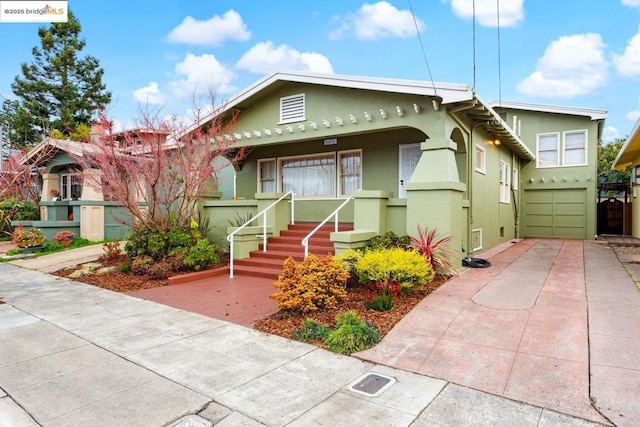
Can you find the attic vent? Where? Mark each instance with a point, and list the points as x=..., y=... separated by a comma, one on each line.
x=292, y=108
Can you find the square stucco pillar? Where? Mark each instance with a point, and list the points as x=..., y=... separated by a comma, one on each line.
x=49, y=182
x=434, y=195
x=89, y=191
x=279, y=216
x=370, y=210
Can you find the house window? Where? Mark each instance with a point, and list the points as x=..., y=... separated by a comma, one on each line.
x=70, y=186
x=350, y=172
x=575, y=148
x=481, y=159
x=292, y=108
x=571, y=150
x=267, y=176
x=505, y=182
x=548, y=150
x=309, y=176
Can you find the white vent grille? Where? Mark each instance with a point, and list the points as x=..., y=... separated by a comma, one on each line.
x=292, y=108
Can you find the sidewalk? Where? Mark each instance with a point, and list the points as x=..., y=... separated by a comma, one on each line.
x=74, y=354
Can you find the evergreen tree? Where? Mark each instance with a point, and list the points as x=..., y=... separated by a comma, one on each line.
x=59, y=90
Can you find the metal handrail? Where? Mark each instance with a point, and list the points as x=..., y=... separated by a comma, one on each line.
x=263, y=212
x=305, y=241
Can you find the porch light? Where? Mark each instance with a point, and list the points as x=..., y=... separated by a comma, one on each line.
x=278, y=131
x=326, y=123
x=436, y=104
x=301, y=127
x=257, y=133
x=289, y=128
x=339, y=121
x=496, y=142
x=367, y=116
x=313, y=125
x=353, y=119
x=417, y=108
x=383, y=114
x=267, y=132
x=400, y=111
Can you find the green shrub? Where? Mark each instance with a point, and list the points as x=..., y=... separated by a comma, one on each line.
x=14, y=251
x=141, y=264
x=156, y=244
x=380, y=302
x=201, y=255
x=80, y=242
x=316, y=283
x=311, y=331
x=407, y=267
x=176, y=260
x=29, y=238
x=388, y=241
x=125, y=266
x=352, y=334
x=52, y=247
x=159, y=270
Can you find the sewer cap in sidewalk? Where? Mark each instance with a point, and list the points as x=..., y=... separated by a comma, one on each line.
x=372, y=384
x=191, y=421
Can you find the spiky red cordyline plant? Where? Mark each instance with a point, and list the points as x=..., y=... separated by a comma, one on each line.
x=435, y=250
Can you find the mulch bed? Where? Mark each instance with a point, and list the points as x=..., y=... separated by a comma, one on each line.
x=285, y=324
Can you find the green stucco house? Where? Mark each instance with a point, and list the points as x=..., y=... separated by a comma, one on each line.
x=409, y=153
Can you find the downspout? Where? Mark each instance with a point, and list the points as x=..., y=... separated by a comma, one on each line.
x=470, y=151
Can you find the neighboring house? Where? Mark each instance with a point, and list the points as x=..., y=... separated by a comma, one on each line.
x=629, y=158
x=412, y=153
x=67, y=201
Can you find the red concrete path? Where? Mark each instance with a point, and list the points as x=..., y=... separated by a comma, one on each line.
x=241, y=300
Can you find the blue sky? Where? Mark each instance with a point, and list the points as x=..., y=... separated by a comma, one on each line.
x=163, y=54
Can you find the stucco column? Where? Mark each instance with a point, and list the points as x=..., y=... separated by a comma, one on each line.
x=279, y=216
x=370, y=210
x=49, y=182
x=89, y=190
x=434, y=195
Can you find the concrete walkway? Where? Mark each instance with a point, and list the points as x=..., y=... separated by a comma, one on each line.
x=552, y=323
x=73, y=354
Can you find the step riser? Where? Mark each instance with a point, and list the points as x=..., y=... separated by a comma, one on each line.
x=289, y=244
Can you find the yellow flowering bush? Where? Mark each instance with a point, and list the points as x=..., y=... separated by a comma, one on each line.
x=315, y=283
x=407, y=267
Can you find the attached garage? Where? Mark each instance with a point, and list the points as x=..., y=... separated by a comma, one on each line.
x=555, y=213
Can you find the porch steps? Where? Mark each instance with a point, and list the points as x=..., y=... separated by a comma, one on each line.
x=289, y=244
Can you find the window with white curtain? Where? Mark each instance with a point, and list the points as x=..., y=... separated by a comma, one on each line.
x=548, y=150
x=575, y=148
x=505, y=182
x=570, y=150
x=335, y=174
x=481, y=159
x=350, y=172
x=267, y=176
x=309, y=176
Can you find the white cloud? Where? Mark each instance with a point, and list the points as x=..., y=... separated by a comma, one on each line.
x=200, y=75
x=632, y=3
x=377, y=21
x=632, y=115
x=511, y=11
x=265, y=57
x=212, y=32
x=628, y=64
x=570, y=66
x=149, y=94
x=610, y=134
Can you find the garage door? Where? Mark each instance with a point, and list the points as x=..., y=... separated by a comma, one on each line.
x=555, y=213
